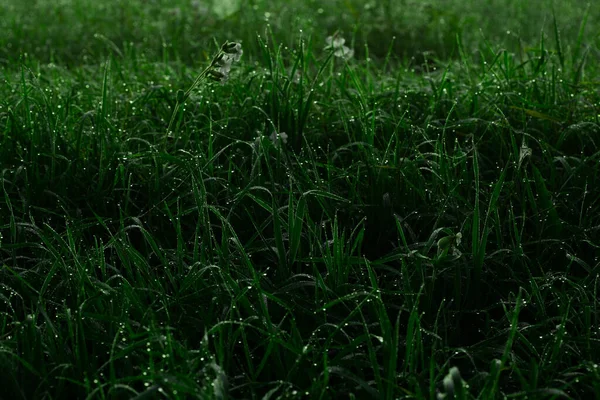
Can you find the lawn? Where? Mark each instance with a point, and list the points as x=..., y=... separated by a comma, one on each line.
x=301, y=199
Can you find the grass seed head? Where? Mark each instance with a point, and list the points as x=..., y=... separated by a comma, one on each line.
x=230, y=53
x=234, y=49
x=335, y=43
x=277, y=137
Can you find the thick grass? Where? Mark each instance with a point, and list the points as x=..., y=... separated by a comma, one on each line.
x=211, y=261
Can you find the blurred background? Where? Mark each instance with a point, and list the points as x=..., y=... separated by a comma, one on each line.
x=71, y=32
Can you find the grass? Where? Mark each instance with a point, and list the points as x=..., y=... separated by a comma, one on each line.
x=159, y=246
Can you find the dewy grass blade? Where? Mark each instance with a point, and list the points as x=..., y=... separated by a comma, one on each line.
x=581, y=34
x=546, y=203
x=500, y=364
x=372, y=355
x=475, y=225
x=481, y=248
x=278, y=232
x=558, y=41
x=26, y=104
x=390, y=335
x=296, y=224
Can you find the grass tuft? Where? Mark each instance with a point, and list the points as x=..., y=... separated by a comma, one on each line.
x=378, y=200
